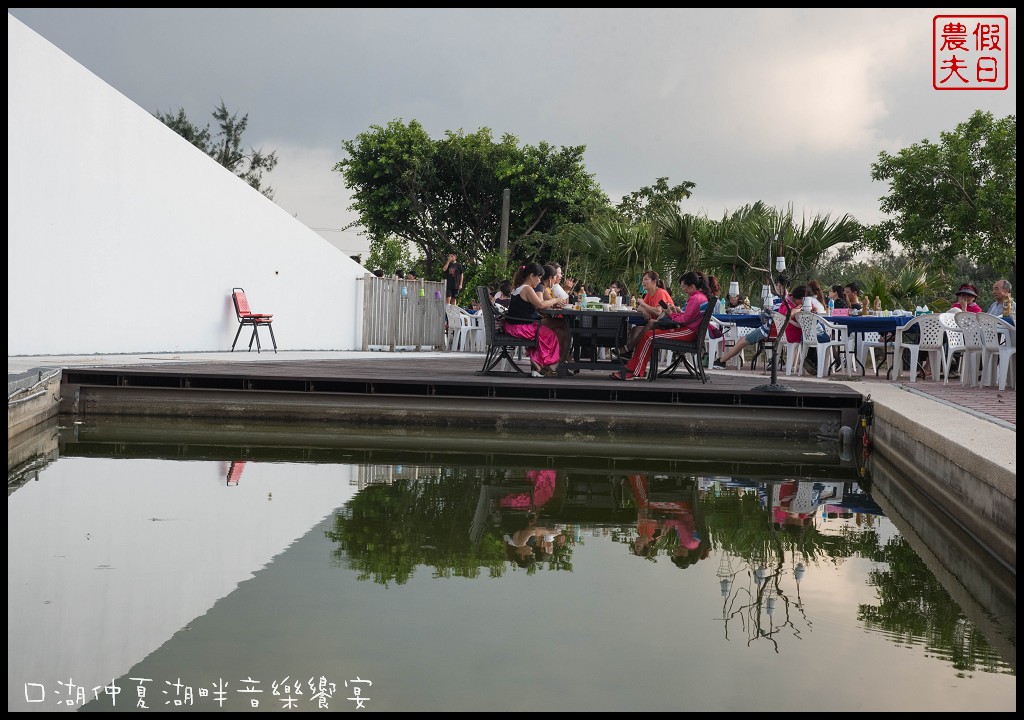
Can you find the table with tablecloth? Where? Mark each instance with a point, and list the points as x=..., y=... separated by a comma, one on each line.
x=592, y=330
x=858, y=325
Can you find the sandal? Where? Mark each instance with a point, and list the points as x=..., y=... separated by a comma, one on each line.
x=624, y=375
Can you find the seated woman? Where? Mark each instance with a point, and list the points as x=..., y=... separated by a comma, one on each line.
x=966, y=299
x=649, y=306
x=838, y=297
x=695, y=285
x=736, y=301
x=522, y=316
x=504, y=294
x=547, y=290
x=793, y=332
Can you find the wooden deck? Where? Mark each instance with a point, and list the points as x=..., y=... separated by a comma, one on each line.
x=448, y=391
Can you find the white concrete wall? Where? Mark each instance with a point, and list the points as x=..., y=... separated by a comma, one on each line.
x=124, y=238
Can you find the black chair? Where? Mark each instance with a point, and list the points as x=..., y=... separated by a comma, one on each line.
x=683, y=350
x=500, y=344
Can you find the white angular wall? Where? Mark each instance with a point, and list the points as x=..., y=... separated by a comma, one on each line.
x=123, y=238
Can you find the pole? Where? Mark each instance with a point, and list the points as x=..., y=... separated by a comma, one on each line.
x=506, y=196
x=774, y=385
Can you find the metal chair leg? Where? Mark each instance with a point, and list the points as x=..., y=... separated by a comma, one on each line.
x=237, y=333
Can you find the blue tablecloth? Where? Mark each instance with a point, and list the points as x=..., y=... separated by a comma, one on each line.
x=744, y=321
x=871, y=323
x=858, y=324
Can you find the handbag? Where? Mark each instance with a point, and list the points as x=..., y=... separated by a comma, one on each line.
x=665, y=322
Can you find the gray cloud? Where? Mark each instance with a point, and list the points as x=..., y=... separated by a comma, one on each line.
x=787, y=106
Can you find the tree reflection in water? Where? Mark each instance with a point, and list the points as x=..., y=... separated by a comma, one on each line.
x=453, y=521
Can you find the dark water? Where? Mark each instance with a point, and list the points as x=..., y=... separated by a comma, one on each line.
x=323, y=569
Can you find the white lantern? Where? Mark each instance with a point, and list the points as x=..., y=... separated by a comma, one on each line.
x=734, y=288
x=780, y=263
x=807, y=304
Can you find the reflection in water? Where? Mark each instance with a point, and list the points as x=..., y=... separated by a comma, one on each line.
x=425, y=578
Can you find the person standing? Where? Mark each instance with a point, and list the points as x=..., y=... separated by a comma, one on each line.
x=1000, y=293
x=453, y=277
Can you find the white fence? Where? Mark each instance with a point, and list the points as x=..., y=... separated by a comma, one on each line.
x=402, y=314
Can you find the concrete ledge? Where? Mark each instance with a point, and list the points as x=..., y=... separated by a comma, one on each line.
x=981, y=448
x=966, y=466
x=983, y=586
x=588, y=421
x=32, y=401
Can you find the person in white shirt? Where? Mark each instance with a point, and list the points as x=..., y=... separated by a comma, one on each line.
x=558, y=288
x=1001, y=291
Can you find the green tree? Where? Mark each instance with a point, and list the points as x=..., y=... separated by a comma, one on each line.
x=226, y=146
x=957, y=198
x=652, y=201
x=389, y=254
x=445, y=195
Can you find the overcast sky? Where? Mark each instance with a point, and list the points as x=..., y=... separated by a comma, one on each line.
x=789, y=107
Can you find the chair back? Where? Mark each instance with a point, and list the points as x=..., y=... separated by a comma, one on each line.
x=933, y=329
x=487, y=309
x=241, y=304
x=451, y=314
x=705, y=319
x=808, y=322
x=781, y=321
x=954, y=336
x=988, y=327
x=970, y=325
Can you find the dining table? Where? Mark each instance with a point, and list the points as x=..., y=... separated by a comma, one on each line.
x=857, y=326
x=592, y=330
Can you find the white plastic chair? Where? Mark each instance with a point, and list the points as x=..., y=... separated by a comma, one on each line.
x=838, y=341
x=999, y=340
x=793, y=357
x=866, y=344
x=932, y=331
x=970, y=326
x=471, y=332
x=953, y=342
x=451, y=313
x=718, y=346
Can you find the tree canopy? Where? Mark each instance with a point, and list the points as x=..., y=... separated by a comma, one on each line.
x=445, y=195
x=226, y=146
x=957, y=198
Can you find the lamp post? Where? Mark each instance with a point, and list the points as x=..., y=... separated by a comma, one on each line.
x=780, y=266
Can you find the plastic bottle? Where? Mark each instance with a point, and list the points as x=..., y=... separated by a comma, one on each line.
x=612, y=295
x=1007, y=306
x=831, y=305
x=878, y=305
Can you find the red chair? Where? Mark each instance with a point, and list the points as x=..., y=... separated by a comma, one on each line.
x=235, y=472
x=247, y=317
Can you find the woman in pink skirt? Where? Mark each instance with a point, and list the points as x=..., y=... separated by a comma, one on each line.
x=522, y=318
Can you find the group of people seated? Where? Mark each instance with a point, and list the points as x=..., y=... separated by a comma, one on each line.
x=538, y=287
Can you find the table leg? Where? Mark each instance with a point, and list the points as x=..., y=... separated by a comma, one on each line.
x=856, y=356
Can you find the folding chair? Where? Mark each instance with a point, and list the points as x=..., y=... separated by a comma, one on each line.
x=247, y=317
